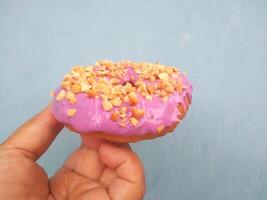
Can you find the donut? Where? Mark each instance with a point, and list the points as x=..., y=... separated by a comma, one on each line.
x=124, y=101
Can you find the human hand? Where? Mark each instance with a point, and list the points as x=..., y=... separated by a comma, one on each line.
x=98, y=170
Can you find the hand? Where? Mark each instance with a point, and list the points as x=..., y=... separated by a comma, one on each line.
x=98, y=170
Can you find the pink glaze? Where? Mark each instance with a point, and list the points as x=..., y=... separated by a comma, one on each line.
x=90, y=116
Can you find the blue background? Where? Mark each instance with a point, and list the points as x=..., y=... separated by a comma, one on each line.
x=220, y=150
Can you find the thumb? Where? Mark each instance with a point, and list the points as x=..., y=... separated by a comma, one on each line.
x=34, y=137
x=130, y=184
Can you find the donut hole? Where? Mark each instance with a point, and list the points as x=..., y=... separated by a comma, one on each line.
x=129, y=81
x=130, y=77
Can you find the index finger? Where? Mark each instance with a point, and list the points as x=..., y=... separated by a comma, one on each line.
x=35, y=136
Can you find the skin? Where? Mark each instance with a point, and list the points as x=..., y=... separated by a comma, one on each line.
x=96, y=170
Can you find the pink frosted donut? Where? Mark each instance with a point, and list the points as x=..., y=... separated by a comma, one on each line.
x=124, y=101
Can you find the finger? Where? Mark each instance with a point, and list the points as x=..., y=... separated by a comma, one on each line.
x=130, y=183
x=90, y=142
x=35, y=136
x=85, y=160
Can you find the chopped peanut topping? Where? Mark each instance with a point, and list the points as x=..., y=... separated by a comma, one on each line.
x=169, y=70
x=133, y=98
x=123, y=109
x=169, y=89
x=107, y=105
x=91, y=93
x=70, y=96
x=112, y=96
x=52, y=93
x=76, y=88
x=150, y=89
x=91, y=80
x=134, y=121
x=148, y=97
x=163, y=93
x=162, y=85
x=138, y=113
x=114, y=116
x=160, y=129
x=164, y=76
x=71, y=112
x=61, y=95
x=115, y=81
x=128, y=87
x=78, y=69
x=126, y=99
x=165, y=99
x=116, y=101
x=123, y=115
x=105, y=90
x=65, y=84
x=85, y=87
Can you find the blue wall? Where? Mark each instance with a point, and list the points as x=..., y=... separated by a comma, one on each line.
x=219, y=152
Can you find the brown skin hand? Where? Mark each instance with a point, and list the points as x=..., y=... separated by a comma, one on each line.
x=97, y=170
